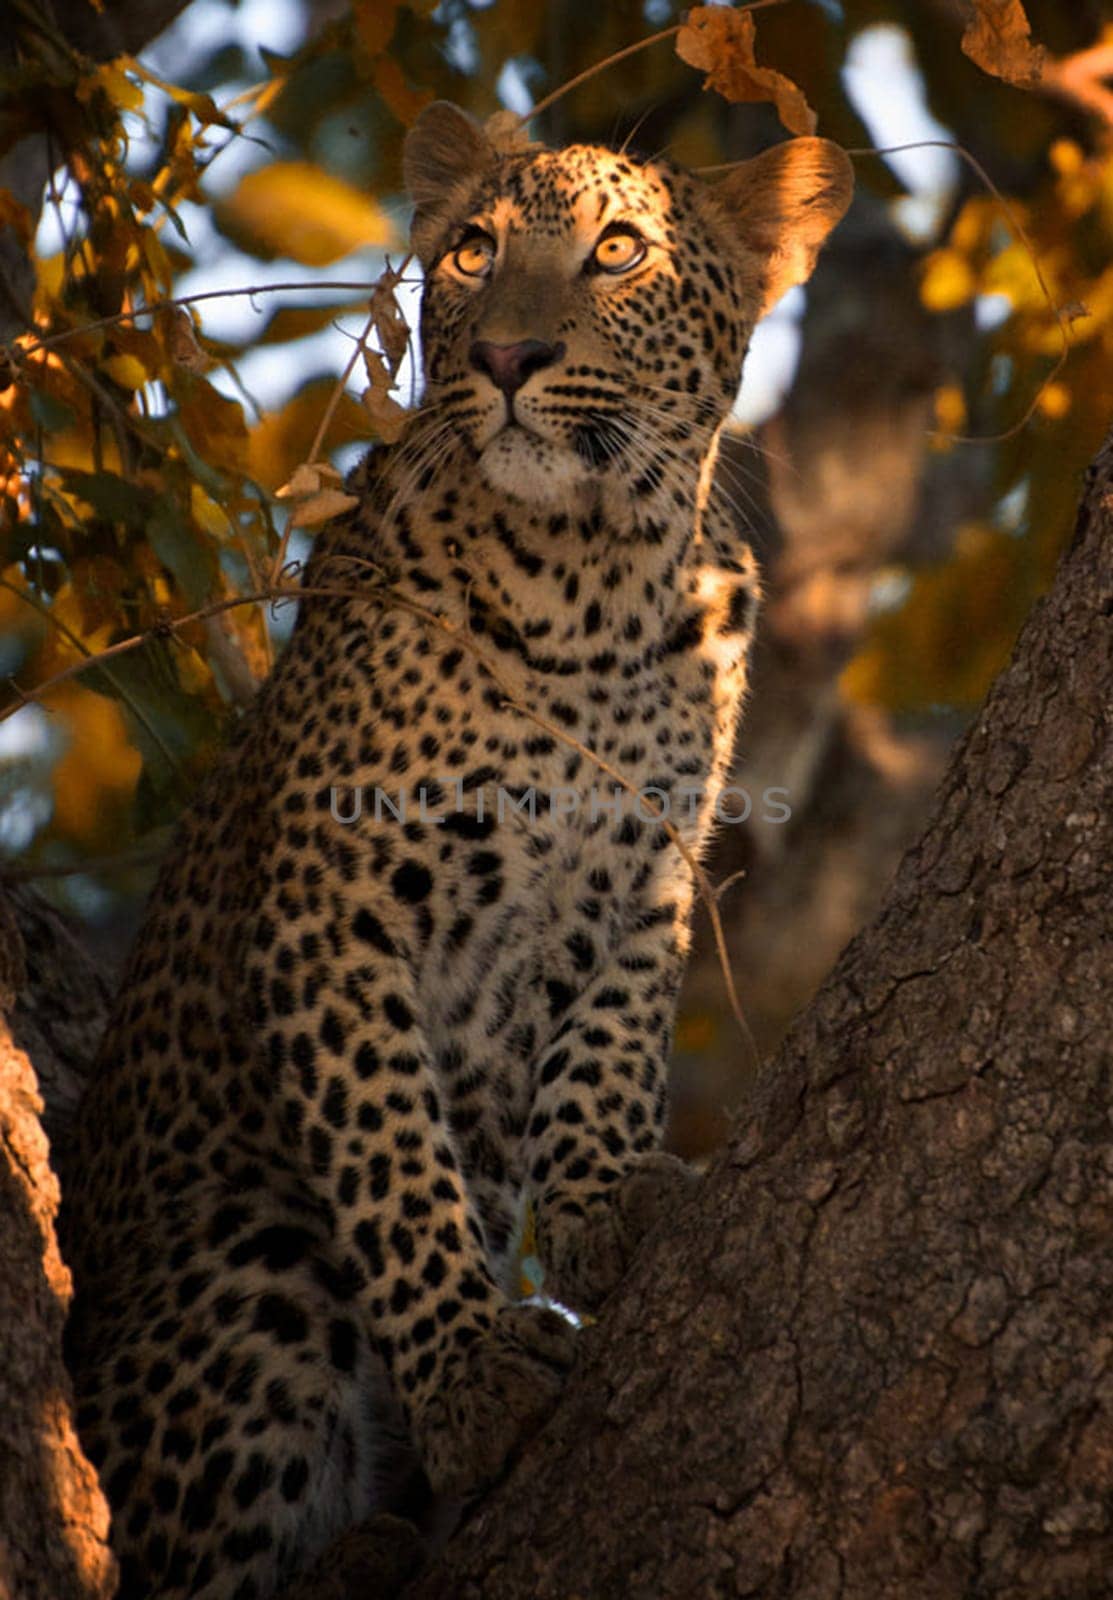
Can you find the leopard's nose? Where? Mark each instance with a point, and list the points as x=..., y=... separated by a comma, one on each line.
x=509, y=365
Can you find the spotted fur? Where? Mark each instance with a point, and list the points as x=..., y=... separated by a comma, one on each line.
x=344, y=1051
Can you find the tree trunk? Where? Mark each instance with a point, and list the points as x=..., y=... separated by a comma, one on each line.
x=53, y=1517
x=872, y=1358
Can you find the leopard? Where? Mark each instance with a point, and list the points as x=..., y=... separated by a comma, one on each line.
x=412, y=962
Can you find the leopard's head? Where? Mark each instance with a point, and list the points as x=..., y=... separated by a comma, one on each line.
x=585, y=314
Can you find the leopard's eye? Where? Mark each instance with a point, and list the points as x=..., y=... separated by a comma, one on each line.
x=474, y=256
x=618, y=251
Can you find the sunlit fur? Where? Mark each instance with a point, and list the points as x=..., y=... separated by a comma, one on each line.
x=583, y=432
x=344, y=1054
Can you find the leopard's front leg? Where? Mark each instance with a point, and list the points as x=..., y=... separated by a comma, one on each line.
x=598, y=1178
x=363, y=1113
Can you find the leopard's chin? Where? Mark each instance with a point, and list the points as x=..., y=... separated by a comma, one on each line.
x=536, y=471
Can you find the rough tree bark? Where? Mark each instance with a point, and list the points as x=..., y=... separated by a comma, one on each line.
x=53, y=1517
x=872, y=1358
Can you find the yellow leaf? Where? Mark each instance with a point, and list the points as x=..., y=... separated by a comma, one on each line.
x=127, y=371
x=1066, y=157
x=998, y=38
x=720, y=42
x=947, y=281
x=194, y=673
x=207, y=514
x=950, y=408
x=1055, y=401
x=140, y=345
x=158, y=262
x=297, y=322
x=1012, y=272
x=50, y=275
x=100, y=768
x=974, y=223
x=953, y=633
x=124, y=94
x=295, y=209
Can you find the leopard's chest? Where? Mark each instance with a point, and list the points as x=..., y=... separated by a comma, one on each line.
x=519, y=807
x=549, y=862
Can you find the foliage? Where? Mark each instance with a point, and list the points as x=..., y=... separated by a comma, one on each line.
x=140, y=486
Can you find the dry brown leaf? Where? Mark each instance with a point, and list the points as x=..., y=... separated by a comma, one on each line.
x=388, y=417
x=720, y=42
x=391, y=327
x=308, y=479
x=506, y=131
x=322, y=507
x=304, y=480
x=182, y=343
x=998, y=39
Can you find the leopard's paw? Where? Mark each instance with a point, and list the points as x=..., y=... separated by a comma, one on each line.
x=586, y=1247
x=505, y=1387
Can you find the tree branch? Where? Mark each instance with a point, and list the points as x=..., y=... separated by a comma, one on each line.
x=871, y=1357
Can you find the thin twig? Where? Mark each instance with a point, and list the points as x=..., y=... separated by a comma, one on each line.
x=1061, y=320
x=319, y=437
x=90, y=658
x=363, y=287
x=160, y=630
x=600, y=66
x=139, y=855
x=338, y=389
x=621, y=55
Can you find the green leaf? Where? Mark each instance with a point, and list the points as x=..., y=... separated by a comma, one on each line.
x=184, y=550
x=111, y=497
x=52, y=415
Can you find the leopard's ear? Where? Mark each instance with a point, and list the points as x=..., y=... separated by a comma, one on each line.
x=443, y=149
x=782, y=205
